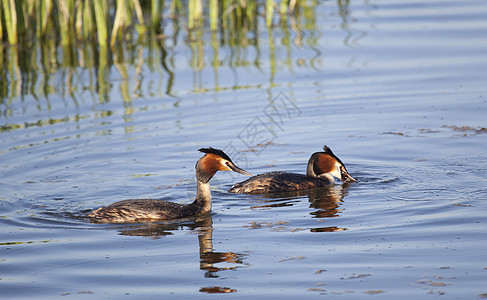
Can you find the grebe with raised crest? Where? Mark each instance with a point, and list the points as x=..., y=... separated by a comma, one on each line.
x=135, y=210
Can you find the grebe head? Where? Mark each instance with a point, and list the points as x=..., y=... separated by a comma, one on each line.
x=215, y=160
x=327, y=162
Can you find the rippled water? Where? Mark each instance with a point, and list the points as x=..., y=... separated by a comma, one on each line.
x=397, y=90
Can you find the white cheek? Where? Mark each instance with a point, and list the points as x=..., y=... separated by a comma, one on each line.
x=336, y=172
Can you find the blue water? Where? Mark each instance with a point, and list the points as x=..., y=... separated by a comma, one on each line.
x=397, y=90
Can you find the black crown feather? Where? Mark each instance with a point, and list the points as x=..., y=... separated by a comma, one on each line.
x=329, y=152
x=216, y=152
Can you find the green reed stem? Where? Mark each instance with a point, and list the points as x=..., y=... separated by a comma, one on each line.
x=44, y=16
x=38, y=15
x=79, y=19
x=87, y=20
x=140, y=17
x=191, y=13
x=156, y=13
x=66, y=24
x=283, y=9
x=269, y=10
x=1, y=22
x=120, y=19
x=213, y=14
x=84, y=19
x=195, y=11
x=251, y=13
x=100, y=8
x=10, y=14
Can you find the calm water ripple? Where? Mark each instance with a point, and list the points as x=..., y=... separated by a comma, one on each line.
x=397, y=90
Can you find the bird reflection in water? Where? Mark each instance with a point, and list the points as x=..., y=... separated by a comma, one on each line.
x=325, y=201
x=210, y=260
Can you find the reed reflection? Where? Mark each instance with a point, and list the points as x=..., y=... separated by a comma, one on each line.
x=211, y=261
x=352, y=36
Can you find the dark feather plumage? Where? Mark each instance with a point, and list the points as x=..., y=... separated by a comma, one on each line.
x=216, y=152
x=273, y=182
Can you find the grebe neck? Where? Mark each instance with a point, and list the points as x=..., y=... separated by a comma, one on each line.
x=310, y=168
x=203, y=196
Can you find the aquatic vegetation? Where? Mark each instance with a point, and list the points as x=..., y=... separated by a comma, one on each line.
x=116, y=20
x=40, y=40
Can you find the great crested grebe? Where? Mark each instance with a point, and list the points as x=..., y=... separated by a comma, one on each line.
x=321, y=170
x=134, y=210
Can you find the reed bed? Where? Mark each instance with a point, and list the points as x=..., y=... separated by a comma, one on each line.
x=42, y=41
x=118, y=21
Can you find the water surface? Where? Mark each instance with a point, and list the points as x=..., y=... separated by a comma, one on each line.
x=397, y=90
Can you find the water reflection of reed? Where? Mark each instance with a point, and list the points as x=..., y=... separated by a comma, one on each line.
x=74, y=64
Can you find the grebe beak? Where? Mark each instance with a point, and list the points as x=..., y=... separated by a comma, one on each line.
x=345, y=176
x=237, y=169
